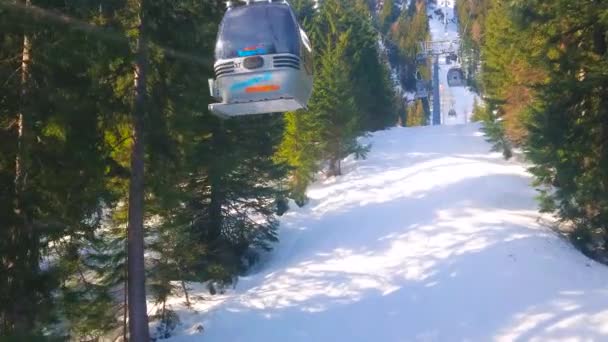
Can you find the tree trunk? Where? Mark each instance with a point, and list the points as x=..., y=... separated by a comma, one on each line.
x=138, y=316
x=215, y=176
x=19, y=159
x=334, y=161
x=215, y=208
x=599, y=40
x=185, y=288
x=25, y=260
x=126, y=301
x=334, y=167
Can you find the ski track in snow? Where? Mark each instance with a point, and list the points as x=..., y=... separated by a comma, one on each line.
x=458, y=98
x=432, y=238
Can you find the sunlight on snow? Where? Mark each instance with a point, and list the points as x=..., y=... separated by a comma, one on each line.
x=431, y=234
x=565, y=319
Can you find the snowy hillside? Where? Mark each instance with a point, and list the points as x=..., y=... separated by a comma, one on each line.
x=432, y=238
x=458, y=98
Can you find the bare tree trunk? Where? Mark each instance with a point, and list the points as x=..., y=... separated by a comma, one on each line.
x=218, y=140
x=339, y=167
x=334, y=167
x=126, y=302
x=334, y=161
x=20, y=173
x=138, y=315
x=185, y=288
x=21, y=318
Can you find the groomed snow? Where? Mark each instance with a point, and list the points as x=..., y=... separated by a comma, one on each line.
x=432, y=238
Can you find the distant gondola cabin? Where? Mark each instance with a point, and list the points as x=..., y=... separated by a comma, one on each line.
x=456, y=77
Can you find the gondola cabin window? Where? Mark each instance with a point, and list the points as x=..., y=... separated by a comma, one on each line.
x=306, y=50
x=257, y=30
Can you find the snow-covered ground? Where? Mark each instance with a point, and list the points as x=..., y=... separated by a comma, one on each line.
x=432, y=238
x=458, y=98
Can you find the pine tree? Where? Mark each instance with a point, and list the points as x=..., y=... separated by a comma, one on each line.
x=416, y=115
x=82, y=99
x=472, y=26
x=567, y=139
x=334, y=105
x=543, y=76
x=301, y=150
x=234, y=179
x=388, y=14
x=508, y=76
x=373, y=94
x=410, y=29
x=304, y=10
x=61, y=165
x=138, y=314
x=308, y=137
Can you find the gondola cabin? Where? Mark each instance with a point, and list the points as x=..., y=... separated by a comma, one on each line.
x=456, y=77
x=263, y=61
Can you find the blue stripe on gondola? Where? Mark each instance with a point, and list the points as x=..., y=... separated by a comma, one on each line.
x=247, y=53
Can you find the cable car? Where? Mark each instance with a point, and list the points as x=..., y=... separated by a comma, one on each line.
x=456, y=77
x=452, y=56
x=263, y=61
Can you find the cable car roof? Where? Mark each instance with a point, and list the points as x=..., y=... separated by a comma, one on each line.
x=231, y=3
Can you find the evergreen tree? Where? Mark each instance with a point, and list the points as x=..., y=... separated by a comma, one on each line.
x=543, y=76
x=80, y=143
x=234, y=179
x=301, y=150
x=304, y=10
x=509, y=77
x=362, y=97
x=410, y=29
x=416, y=115
x=61, y=166
x=387, y=15
x=334, y=105
x=373, y=93
x=567, y=139
x=471, y=16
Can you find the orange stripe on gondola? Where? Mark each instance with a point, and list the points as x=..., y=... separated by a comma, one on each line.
x=262, y=88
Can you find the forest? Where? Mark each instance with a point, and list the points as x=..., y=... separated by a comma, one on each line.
x=542, y=71
x=105, y=133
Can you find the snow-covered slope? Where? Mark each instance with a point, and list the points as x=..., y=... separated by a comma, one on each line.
x=458, y=98
x=432, y=238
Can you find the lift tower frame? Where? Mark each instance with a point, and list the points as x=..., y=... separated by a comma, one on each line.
x=435, y=49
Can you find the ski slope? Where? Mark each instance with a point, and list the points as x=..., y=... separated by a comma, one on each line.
x=432, y=238
x=458, y=98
